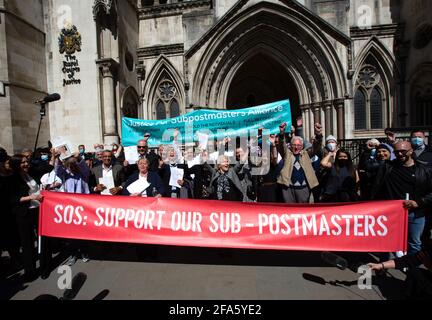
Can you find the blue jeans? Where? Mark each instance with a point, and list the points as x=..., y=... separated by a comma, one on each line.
x=415, y=231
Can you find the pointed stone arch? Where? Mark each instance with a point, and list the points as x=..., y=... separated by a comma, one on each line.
x=164, y=84
x=308, y=49
x=377, y=64
x=377, y=51
x=299, y=46
x=130, y=103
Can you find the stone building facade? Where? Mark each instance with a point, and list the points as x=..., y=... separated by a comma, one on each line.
x=356, y=66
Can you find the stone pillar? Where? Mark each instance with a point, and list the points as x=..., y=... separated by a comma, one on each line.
x=316, y=107
x=327, y=106
x=305, y=117
x=140, y=70
x=108, y=69
x=339, y=105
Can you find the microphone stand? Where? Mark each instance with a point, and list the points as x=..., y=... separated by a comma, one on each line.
x=42, y=113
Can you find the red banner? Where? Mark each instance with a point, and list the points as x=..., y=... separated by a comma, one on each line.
x=365, y=226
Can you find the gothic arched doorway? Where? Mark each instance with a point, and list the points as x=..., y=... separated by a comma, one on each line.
x=262, y=80
x=130, y=103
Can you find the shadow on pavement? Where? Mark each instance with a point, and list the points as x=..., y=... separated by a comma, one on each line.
x=390, y=288
x=215, y=256
x=70, y=294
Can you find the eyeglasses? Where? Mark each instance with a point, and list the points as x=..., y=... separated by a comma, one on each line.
x=403, y=152
x=141, y=147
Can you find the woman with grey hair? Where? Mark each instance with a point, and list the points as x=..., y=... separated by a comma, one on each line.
x=224, y=183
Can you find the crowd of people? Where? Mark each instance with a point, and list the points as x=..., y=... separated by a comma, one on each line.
x=286, y=169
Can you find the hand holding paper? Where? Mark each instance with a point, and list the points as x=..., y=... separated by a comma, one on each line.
x=138, y=186
x=108, y=183
x=176, y=174
x=203, y=140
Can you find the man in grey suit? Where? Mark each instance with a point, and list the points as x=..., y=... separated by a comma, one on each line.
x=103, y=175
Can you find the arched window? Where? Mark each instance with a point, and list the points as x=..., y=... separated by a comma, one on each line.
x=376, y=109
x=160, y=111
x=174, y=109
x=369, y=101
x=360, y=110
x=131, y=101
x=167, y=99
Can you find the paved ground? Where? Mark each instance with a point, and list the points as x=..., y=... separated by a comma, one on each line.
x=144, y=272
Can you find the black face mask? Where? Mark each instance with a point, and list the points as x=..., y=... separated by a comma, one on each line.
x=343, y=163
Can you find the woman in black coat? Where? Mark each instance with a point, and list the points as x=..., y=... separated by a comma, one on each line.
x=155, y=187
x=24, y=200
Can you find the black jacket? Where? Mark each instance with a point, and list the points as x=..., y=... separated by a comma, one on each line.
x=153, y=164
x=97, y=172
x=426, y=156
x=422, y=188
x=153, y=179
x=17, y=189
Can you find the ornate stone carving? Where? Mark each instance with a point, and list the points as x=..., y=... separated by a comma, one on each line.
x=368, y=77
x=162, y=49
x=108, y=67
x=166, y=90
x=105, y=5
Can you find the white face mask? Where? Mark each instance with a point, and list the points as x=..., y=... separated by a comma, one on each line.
x=331, y=146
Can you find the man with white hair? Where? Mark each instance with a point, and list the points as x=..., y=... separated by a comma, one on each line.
x=297, y=176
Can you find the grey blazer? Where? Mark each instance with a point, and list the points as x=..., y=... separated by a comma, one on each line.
x=118, y=175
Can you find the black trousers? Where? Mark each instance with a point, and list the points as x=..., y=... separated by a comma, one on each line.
x=26, y=225
x=27, y=229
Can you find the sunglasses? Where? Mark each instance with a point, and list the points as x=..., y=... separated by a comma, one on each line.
x=404, y=152
x=141, y=147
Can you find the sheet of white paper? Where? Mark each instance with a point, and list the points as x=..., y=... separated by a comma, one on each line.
x=108, y=182
x=203, y=140
x=131, y=154
x=138, y=186
x=279, y=158
x=194, y=161
x=214, y=156
x=229, y=153
x=176, y=174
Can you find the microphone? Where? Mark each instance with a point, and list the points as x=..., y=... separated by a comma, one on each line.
x=334, y=260
x=49, y=98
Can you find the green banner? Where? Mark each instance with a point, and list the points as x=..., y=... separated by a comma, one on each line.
x=217, y=124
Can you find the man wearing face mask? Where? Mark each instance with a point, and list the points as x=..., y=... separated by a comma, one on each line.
x=81, y=150
x=331, y=144
x=406, y=176
x=422, y=151
x=40, y=164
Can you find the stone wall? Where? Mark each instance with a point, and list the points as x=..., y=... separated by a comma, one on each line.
x=23, y=40
x=76, y=117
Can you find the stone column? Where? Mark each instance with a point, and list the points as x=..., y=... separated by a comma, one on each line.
x=141, y=72
x=316, y=107
x=305, y=117
x=339, y=105
x=108, y=69
x=327, y=106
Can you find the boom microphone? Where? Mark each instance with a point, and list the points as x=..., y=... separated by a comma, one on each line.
x=334, y=260
x=49, y=98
